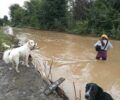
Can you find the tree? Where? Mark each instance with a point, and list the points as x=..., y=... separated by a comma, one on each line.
x=78, y=16
x=33, y=11
x=80, y=9
x=1, y=22
x=104, y=16
x=53, y=14
x=5, y=20
x=45, y=14
x=17, y=14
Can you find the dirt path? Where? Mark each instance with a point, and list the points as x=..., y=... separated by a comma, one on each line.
x=27, y=85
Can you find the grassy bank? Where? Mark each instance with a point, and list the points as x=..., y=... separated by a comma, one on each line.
x=4, y=39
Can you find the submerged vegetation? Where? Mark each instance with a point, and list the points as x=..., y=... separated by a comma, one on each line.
x=74, y=16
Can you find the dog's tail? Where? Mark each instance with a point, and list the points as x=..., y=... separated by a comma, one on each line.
x=6, y=56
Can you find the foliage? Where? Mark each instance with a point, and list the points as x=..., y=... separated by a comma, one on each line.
x=46, y=14
x=75, y=16
x=80, y=9
x=104, y=16
x=4, y=21
x=53, y=14
x=17, y=14
x=79, y=27
x=1, y=22
x=4, y=39
x=115, y=33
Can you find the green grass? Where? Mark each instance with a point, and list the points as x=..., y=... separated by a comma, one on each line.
x=4, y=39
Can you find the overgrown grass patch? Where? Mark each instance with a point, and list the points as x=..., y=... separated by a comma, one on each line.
x=5, y=39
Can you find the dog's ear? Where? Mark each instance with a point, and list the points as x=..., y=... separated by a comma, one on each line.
x=99, y=91
x=87, y=87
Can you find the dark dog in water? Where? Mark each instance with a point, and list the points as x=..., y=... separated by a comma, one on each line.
x=95, y=92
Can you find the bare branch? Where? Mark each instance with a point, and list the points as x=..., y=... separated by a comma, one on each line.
x=79, y=94
x=75, y=90
x=50, y=70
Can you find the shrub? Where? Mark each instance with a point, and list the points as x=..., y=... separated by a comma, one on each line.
x=80, y=27
x=115, y=33
x=4, y=39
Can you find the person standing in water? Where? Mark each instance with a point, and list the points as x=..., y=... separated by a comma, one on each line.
x=102, y=47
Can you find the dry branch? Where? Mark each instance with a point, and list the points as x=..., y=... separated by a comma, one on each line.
x=75, y=90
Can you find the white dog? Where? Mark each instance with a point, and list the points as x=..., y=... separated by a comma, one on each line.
x=13, y=55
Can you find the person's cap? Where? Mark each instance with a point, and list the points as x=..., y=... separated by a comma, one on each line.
x=104, y=36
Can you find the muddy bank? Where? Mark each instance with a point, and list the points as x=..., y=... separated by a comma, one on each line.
x=26, y=85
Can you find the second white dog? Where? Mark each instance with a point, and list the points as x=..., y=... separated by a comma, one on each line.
x=13, y=55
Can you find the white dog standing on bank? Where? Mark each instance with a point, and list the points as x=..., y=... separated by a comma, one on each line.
x=13, y=55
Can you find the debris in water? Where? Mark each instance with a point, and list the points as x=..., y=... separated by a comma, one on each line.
x=53, y=86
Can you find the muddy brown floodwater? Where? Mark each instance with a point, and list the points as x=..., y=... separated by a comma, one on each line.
x=74, y=59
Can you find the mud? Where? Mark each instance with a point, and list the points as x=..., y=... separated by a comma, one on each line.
x=26, y=85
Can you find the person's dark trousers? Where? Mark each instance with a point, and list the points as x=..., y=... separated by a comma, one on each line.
x=101, y=55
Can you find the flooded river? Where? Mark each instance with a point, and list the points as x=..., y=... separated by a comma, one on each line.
x=74, y=59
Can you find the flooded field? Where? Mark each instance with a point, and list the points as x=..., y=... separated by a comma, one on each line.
x=74, y=59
